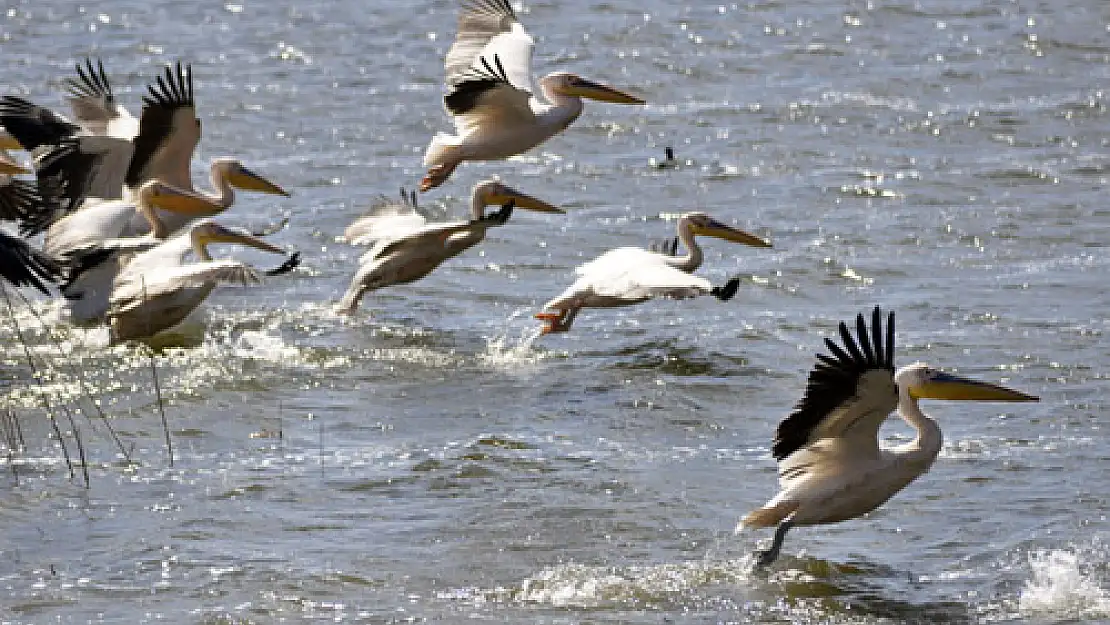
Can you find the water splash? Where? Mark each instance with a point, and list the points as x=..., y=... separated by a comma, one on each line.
x=1060, y=588
x=509, y=353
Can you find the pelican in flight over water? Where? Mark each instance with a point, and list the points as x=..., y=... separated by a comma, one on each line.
x=631, y=275
x=159, y=288
x=406, y=247
x=831, y=467
x=490, y=95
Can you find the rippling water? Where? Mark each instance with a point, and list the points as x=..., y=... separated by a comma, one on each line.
x=432, y=460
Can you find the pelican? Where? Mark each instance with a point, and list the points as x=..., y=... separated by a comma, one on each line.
x=82, y=239
x=831, y=467
x=159, y=288
x=631, y=275
x=406, y=247
x=490, y=95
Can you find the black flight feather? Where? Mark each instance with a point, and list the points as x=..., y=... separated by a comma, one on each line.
x=22, y=265
x=32, y=125
x=172, y=92
x=481, y=79
x=64, y=173
x=93, y=83
x=834, y=379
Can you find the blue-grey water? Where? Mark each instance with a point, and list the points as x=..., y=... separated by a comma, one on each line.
x=431, y=460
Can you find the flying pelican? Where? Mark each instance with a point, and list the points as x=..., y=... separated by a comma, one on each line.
x=159, y=288
x=831, y=467
x=80, y=239
x=490, y=95
x=631, y=275
x=406, y=247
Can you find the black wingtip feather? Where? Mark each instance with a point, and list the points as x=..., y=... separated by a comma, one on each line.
x=834, y=378
x=480, y=79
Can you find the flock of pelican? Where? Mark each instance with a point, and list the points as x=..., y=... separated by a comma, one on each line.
x=126, y=236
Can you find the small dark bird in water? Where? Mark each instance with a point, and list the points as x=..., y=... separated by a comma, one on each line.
x=668, y=161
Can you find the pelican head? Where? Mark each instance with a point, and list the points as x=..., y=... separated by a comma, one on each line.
x=493, y=192
x=703, y=225
x=924, y=382
x=565, y=83
x=242, y=178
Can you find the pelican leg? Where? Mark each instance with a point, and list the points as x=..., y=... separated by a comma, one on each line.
x=767, y=556
x=727, y=290
x=349, y=304
x=437, y=175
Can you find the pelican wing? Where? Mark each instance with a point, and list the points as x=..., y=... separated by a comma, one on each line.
x=32, y=125
x=168, y=131
x=19, y=200
x=849, y=394
x=152, y=283
x=94, y=105
x=386, y=219
x=431, y=237
x=489, y=28
x=22, y=265
x=487, y=100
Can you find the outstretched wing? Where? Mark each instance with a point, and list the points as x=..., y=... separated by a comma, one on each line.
x=849, y=393
x=166, y=281
x=95, y=106
x=386, y=219
x=168, y=131
x=489, y=28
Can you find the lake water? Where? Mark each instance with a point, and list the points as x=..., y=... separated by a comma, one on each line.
x=432, y=460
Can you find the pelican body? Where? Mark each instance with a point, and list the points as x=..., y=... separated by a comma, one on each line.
x=406, y=247
x=831, y=467
x=490, y=95
x=159, y=288
x=631, y=275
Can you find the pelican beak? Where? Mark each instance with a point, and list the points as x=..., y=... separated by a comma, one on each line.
x=596, y=91
x=948, y=386
x=11, y=168
x=505, y=194
x=183, y=202
x=242, y=237
x=243, y=178
x=719, y=230
x=8, y=142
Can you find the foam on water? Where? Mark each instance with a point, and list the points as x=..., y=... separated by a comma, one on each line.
x=582, y=586
x=1062, y=587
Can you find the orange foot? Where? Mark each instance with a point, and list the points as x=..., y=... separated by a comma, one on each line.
x=554, y=322
x=437, y=176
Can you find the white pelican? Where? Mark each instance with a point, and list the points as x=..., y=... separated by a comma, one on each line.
x=74, y=239
x=159, y=288
x=831, y=467
x=406, y=247
x=631, y=275
x=490, y=95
